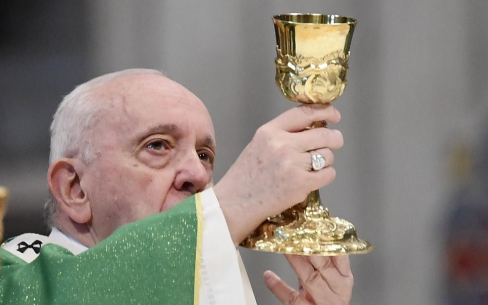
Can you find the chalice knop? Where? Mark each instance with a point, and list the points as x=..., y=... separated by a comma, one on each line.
x=311, y=66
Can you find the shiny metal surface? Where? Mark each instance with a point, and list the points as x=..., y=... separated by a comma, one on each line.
x=311, y=66
x=307, y=229
x=312, y=56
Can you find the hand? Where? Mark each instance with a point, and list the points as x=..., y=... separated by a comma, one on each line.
x=274, y=171
x=323, y=280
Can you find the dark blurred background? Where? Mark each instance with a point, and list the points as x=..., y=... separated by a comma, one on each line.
x=43, y=55
x=412, y=176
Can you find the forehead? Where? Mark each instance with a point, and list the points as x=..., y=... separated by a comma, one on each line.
x=140, y=102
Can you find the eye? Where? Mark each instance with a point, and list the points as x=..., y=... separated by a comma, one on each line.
x=206, y=157
x=157, y=145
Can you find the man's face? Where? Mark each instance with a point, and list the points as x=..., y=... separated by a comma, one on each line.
x=156, y=147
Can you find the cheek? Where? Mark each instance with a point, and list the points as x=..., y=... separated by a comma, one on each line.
x=125, y=194
x=173, y=198
x=155, y=193
x=169, y=203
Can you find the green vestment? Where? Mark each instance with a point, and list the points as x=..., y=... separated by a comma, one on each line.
x=151, y=261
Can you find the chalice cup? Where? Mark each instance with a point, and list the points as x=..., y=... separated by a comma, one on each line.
x=311, y=66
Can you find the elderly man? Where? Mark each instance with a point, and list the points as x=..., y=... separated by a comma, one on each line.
x=136, y=218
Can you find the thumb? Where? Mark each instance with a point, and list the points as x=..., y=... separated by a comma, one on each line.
x=281, y=290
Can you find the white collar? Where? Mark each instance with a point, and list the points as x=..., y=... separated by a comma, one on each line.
x=66, y=241
x=27, y=246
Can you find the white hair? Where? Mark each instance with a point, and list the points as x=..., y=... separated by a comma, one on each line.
x=73, y=124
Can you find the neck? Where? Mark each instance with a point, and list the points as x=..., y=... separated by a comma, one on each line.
x=80, y=232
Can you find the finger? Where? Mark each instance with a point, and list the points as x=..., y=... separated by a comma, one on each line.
x=306, y=158
x=310, y=278
x=299, y=118
x=282, y=291
x=317, y=138
x=342, y=264
x=304, y=293
x=324, y=152
x=340, y=281
x=320, y=178
x=309, y=179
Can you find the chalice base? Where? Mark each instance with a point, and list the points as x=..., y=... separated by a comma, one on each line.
x=307, y=229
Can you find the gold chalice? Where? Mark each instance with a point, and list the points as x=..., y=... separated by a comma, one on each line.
x=311, y=66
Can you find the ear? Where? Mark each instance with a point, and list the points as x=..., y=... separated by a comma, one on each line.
x=64, y=183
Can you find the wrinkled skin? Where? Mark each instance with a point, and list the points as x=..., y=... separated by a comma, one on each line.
x=155, y=146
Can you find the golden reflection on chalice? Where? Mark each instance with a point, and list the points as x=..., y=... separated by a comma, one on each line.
x=311, y=66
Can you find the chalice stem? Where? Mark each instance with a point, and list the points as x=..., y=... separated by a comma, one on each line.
x=318, y=124
x=313, y=200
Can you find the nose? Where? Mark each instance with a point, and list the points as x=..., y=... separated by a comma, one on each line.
x=192, y=176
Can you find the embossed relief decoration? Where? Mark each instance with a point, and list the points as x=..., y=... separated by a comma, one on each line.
x=309, y=79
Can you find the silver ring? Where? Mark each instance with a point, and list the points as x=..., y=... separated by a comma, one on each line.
x=318, y=161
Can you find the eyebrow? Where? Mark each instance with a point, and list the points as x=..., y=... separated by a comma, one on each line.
x=210, y=142
x=166, y=129
x=174, y=130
